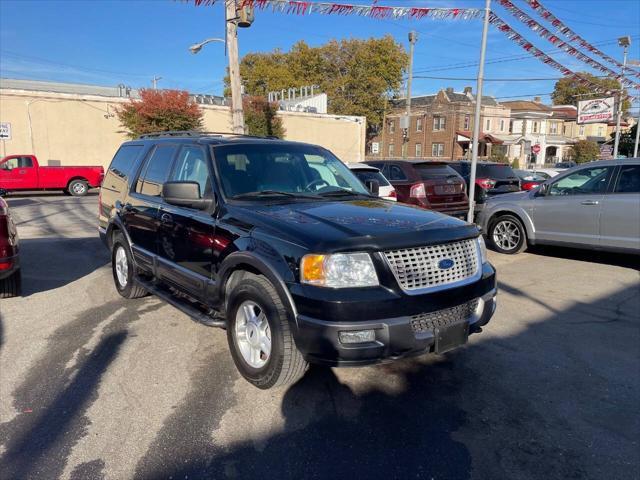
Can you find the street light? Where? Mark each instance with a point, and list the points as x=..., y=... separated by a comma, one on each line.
x=196, y=47
x=624, y=42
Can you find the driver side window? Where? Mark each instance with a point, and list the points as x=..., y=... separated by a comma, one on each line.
x=583, y=182
x=10, y=164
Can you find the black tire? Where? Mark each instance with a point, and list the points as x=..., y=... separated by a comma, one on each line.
x=130, y=289
x=78, y=188
x=507, y=235
x=285, y=364
x=11, y=286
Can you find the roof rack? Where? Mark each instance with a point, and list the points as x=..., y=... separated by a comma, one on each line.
x=196, y=133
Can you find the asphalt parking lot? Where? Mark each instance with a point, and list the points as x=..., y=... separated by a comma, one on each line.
x=93, y=386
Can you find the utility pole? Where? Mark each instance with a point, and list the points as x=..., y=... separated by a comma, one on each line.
x=624, y=42
x=154, y=82
x=413, y=37
x=476, y=118
x=237, y=114
x=635, y=147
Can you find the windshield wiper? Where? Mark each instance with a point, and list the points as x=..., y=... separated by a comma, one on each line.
x=342, y=193
x=271, y=193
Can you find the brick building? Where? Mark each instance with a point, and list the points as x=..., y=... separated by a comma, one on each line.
x=440, y=127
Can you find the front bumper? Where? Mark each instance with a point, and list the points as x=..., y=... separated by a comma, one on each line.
x=318, y=338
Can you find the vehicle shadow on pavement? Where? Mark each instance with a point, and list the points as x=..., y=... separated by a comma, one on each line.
x=52, y=400
x=51, y=262
x=626, y=260
x=530, y=405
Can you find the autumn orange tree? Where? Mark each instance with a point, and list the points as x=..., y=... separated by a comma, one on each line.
x=160, y=110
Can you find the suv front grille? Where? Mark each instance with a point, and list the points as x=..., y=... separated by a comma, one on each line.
x=428, y=322
x=420, y=268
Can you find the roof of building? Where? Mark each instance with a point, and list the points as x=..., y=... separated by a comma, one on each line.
x=527, y=106
x=458, y=97
x=118, y=91
x=565, y=112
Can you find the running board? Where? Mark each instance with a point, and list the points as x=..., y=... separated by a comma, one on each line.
x=181, y=304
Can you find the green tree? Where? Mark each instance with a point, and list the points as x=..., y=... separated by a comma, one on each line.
x=584, y=151
x=260, y=117
x=357, y=75
x=569, y=91
x=159, y=110
x=627, y=141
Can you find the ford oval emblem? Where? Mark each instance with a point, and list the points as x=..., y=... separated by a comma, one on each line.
x=445, y=264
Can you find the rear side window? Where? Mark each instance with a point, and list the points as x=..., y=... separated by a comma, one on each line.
x=191, y=166
x=156, y=171
x=365, y=175
x=629, y=179
x=125, y=158
x=427, y=171
x=396, y=173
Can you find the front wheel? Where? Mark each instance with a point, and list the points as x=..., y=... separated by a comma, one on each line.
x=123, y=269
x=259, y=336
x=78, y=188
x=507, y=235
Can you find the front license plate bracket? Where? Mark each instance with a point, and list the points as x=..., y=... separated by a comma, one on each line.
x=451, y=336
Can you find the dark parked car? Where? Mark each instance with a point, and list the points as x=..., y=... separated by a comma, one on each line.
x=432, y=185
x=282, y=245
x=492, y=178
x=567, y=164
x=10, y=279
x=530, y=180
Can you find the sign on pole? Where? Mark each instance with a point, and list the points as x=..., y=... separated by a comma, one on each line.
x=536, y=148
x=5, y=131
x=375, y=147
x=606, y=152
x=598, y=110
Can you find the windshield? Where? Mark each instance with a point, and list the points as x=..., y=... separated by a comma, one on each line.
x=495, y=171
x=427, y=171
x=286, y=169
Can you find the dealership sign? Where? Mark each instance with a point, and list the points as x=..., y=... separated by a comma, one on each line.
x=599, y=110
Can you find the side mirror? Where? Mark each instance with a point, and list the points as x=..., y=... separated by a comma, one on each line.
x=542, y=190
x=185, y=194
x=373, y=186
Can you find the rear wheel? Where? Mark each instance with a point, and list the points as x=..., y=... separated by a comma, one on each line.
x=259, y=336
x=11, y=286
x=78, y=188
x=123, y=269
x=507, y=235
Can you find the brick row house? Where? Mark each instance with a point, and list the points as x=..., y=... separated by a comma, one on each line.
x=440, y=127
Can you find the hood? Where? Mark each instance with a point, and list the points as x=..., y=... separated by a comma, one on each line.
x=328, y=226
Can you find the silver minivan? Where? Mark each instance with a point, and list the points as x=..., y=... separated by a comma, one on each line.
x=594, y=205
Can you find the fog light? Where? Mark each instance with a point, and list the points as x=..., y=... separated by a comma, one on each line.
x=357, y=336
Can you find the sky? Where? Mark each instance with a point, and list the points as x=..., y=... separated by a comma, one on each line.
x=108, y=42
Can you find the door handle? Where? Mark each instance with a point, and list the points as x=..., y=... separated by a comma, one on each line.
x=590, y=202
x=22, y=172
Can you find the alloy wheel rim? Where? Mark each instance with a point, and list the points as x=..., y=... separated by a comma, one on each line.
x=78, y=188
x=122, y=266
x=253, y=334
x=506, y=235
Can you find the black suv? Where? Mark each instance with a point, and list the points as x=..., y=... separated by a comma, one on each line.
x=279, y=243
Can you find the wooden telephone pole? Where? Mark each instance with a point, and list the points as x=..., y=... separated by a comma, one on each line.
x=237, y=113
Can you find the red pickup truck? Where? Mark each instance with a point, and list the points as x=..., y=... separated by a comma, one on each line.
x=22, y=172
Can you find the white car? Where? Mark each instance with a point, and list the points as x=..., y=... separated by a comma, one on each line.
x=366, y=172
x=551, y=172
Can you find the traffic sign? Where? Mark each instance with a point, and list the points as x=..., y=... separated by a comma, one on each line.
x=535, y=148
x=5, y=131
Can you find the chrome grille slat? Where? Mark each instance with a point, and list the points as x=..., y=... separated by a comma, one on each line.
x=417, y=268
x=428, y=322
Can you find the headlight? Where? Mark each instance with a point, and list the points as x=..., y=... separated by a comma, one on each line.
x=339, y=270
x=483, y=249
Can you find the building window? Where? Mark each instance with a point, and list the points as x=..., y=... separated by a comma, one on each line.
x=437, y=149
x=438, y=123
x=488, y=125
x=502, y=125
x=467, y=122
x=553, y=128
x=392, y=126
x=601, y=131
x=535, y=127
x=418, y=150
x=511, y=126
x=565, y=129
x=419, y=124
x=391, y=149
x=581, y=131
